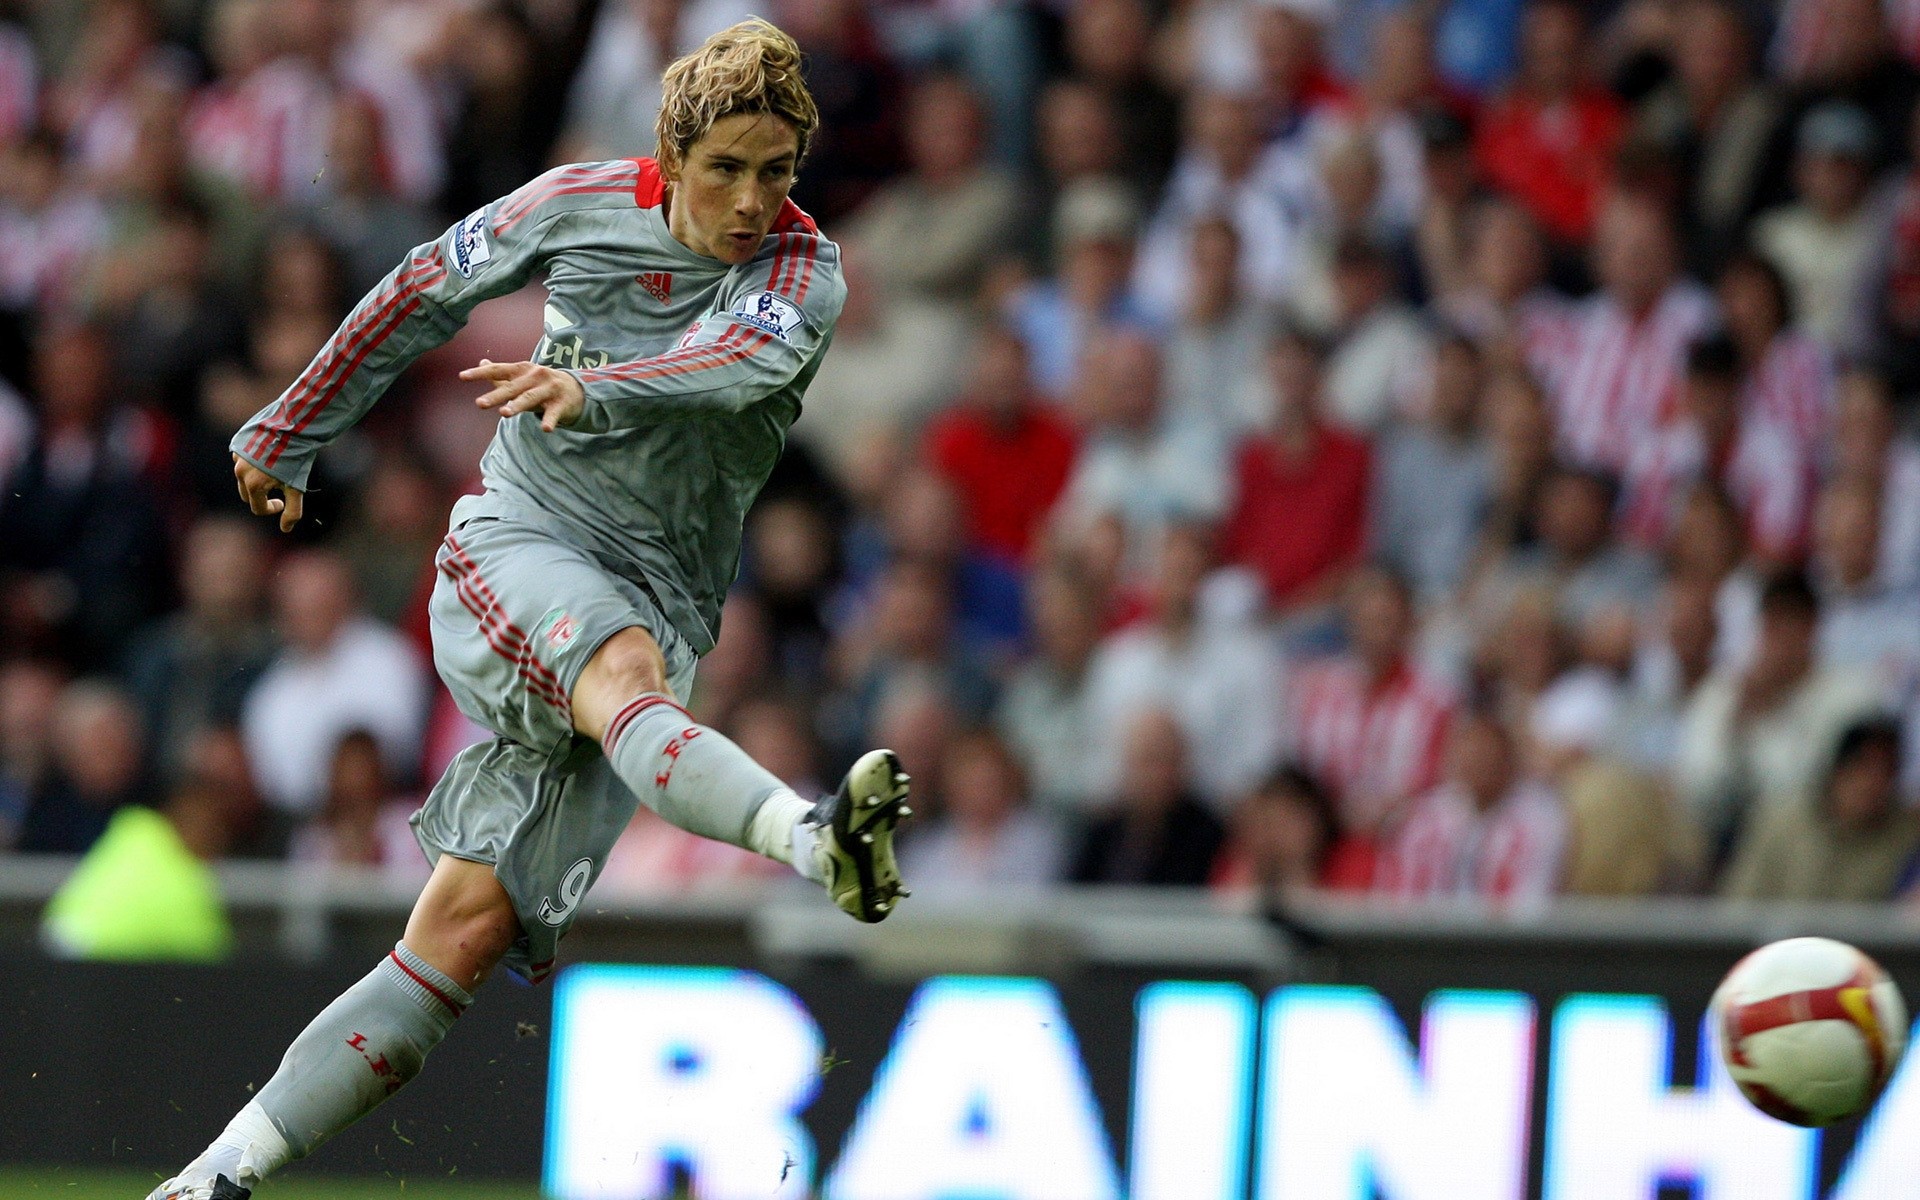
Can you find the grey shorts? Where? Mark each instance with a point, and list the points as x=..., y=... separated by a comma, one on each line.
x=516, y=616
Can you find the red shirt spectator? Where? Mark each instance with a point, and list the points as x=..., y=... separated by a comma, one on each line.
x=1299, y=518
x=1008, y=456
x=1371, y=724
x=1549, y=142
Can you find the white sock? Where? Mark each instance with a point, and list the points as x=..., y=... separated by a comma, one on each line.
x=779, y=831
x=258, y=1147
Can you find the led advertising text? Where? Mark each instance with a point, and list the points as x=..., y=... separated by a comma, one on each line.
x=665, y=1077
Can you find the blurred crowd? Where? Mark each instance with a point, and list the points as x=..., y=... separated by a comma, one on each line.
x=1421, y=447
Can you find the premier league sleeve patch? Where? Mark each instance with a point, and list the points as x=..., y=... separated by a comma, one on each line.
x=767, y=312
x=470, y=245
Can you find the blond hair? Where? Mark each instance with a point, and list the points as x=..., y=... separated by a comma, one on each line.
x=751, y=67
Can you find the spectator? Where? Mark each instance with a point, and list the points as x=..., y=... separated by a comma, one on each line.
x=1757, y=461
x=1371, y=723
x=96, y=769
x=1755, y=736
x=1454, y=194
x=1578, y=560
x=1488, y=832
x=1286, y=836
x=1158, y=834
x=1849, y=838
x=1138, y=462
x=390, y=535
x=1840, y=50
x=171, y=318
x=1501, y=298
x=930, y=234
x=1789, y=380
x=1435, y=479
x=1549, y=140
x=1338, y=184
x=616, y=94
x=1296, y=81
x=925, y=524
x=1062, y=317
x=508, y=89
x=82, y=550
x=1079, y=140
x=791, y=575
x=1109, y=43
x=49, y=225
x=1708, y=546
x=339, y=670
x=1213, y=353
x=368, y=225
x=894, y=365
x=192, y=670
x=984, y=835
x=1520, y=436
x=1864, y=625
x=1045, y=712
x=1885, y=323
x=1004, y=451
x=1668, y=670
x=1219, y=175
x=1868, y=445
x=1381, y=346
x=1220, y=678
x=1622, y=375
x=909, y=634
x=1299, y=517
x=361, y=822
x=1821, y=241
x=1716, y=119
x=28, y=692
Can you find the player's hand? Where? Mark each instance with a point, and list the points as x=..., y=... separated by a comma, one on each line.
x=528, y=387
x=255, y=486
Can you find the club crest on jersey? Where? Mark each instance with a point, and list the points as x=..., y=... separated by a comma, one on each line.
x=767, y=312
x=470, y=245
x=559, y=628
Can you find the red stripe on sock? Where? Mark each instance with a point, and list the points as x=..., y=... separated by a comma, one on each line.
x=442, y=997
x=618, y=726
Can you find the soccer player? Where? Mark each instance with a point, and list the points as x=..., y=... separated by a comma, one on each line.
x=690, y=304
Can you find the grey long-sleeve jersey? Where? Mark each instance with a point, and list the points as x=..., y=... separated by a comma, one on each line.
x=693, y=371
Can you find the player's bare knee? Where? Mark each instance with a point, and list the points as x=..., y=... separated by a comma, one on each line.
x=628, y=664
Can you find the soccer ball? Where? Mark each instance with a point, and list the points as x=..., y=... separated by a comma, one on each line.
x=1810, y=1028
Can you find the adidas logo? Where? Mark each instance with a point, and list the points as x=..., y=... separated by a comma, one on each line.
x=659, y=284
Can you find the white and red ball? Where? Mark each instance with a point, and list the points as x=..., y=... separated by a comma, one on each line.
x=1810, y=1028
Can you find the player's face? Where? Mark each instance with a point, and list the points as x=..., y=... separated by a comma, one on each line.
x=731, y=185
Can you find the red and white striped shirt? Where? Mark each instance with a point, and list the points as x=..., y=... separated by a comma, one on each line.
x=1622, y=380
x=1448, y=847
x=1792, y=388
x=1374, y=744
x=1768, y=473
x=1544, y=322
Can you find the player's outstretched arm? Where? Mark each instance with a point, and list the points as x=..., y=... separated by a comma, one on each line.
x=420, y=304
